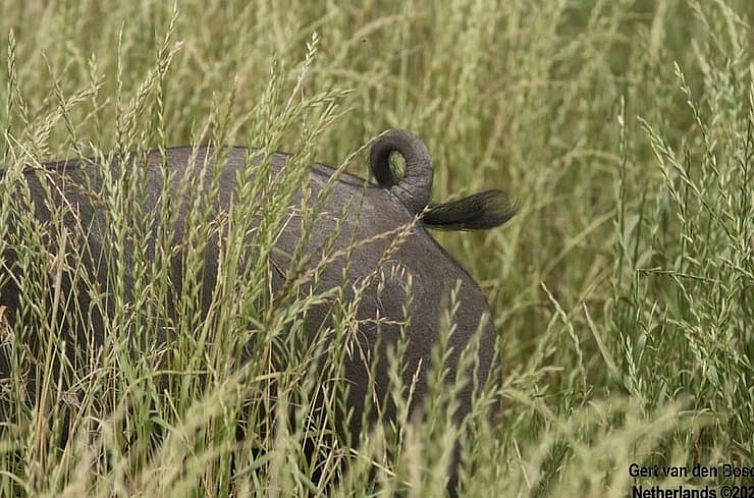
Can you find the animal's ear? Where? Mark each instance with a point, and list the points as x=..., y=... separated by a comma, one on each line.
x=480, y=211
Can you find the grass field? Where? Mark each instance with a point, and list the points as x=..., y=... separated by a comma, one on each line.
x=622, y=292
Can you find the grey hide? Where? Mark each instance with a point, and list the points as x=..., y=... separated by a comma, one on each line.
x=386, y=207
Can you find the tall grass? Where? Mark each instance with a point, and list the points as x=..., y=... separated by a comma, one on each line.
x=623, y=291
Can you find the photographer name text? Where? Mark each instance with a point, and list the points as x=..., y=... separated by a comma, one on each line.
x=696, y=470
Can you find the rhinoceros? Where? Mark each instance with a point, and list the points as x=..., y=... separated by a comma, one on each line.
x=375, y=216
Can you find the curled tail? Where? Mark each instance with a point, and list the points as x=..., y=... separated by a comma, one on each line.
x=476, y=212
x=415, y=188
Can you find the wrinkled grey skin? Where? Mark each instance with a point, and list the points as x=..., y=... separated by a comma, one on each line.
x=386, y=207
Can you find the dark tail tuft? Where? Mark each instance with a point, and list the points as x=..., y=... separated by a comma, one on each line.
x=475, y=212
